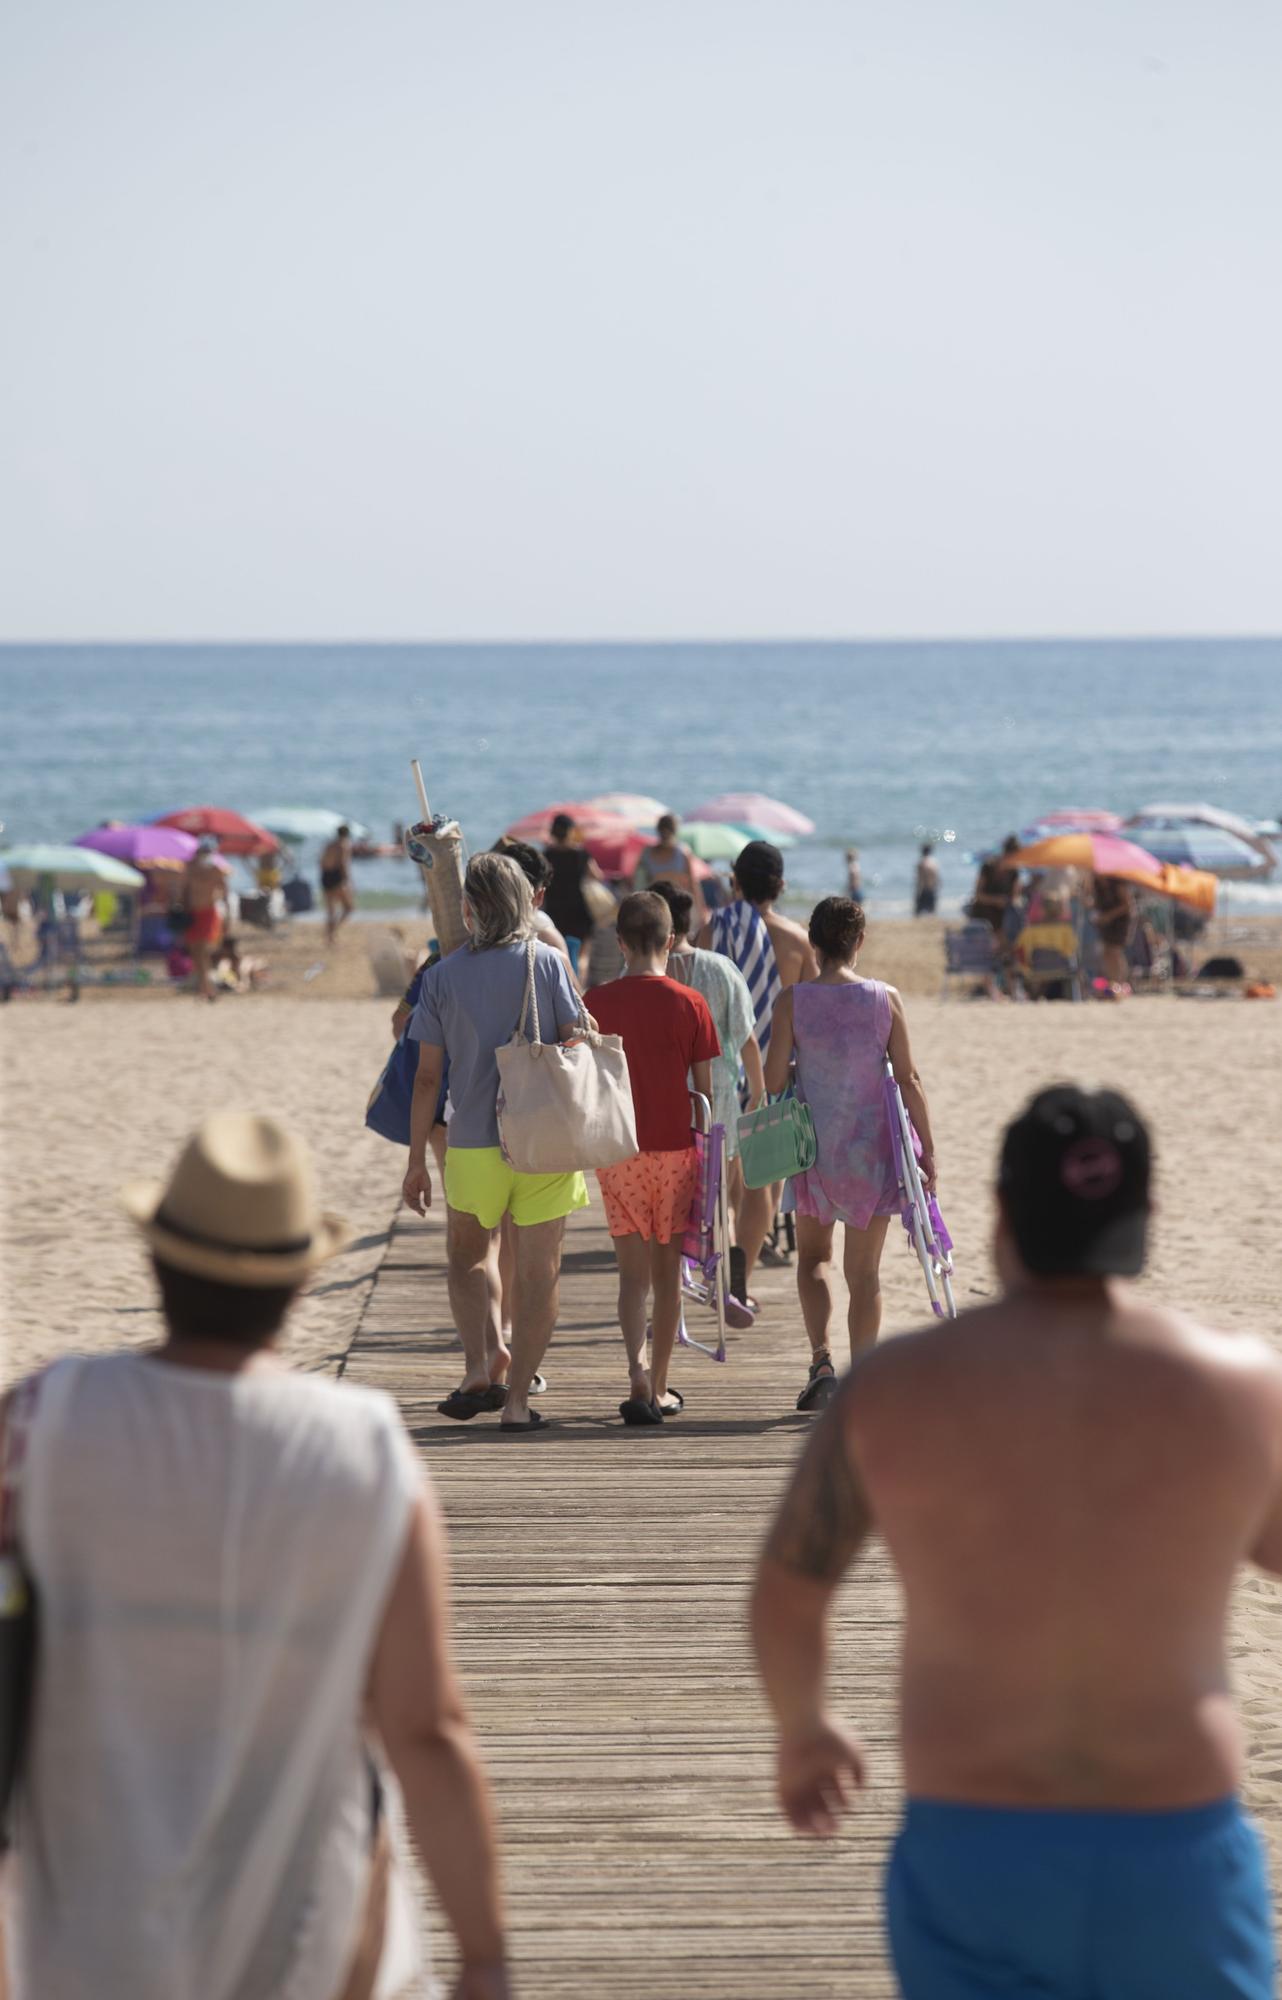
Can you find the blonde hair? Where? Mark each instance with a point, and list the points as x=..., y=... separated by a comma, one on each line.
x=499, y=900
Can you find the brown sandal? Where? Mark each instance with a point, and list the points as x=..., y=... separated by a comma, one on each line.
x=820, y=1383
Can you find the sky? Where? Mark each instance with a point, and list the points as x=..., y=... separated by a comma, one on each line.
x=674, y=318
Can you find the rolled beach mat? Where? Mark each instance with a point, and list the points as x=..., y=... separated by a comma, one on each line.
x=437, y=846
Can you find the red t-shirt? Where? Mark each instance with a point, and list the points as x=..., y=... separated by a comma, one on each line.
x=666, y=1029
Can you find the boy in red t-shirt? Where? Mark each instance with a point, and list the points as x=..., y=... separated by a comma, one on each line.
x=667, y=1035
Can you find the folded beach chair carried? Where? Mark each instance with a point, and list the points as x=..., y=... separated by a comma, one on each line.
x=705, y=1250
x=919, y=1212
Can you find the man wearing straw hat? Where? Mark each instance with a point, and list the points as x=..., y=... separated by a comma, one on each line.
x=234, y=1565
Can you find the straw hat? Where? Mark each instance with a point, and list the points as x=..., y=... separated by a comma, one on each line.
x=239, y=1206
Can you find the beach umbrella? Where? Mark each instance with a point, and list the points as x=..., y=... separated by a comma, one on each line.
x=1109, y=854
x=1207, y=847
x=612, y=841
x=68, y=868
x=1204, y=815
x=1072, y=819
x=754, y=809
x=147, y=847
x=299, y=823
x=635, y=807
x=711, y=841
x=234, y=833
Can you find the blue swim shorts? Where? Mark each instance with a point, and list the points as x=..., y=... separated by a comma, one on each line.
x=1021, y=1903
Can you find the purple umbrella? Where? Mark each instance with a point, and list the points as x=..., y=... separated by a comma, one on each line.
x=143, y=846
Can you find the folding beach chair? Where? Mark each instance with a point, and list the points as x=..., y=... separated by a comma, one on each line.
x=705, y=1251
x=919, y=1212
x=970, y=953
x=1048, y=967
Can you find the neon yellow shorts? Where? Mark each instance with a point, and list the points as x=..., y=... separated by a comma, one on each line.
x=479, y=1182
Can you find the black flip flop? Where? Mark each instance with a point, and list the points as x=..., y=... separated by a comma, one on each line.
x=639, y=1415
x=464, y=1404
x=534, y=1422
x=819, y=1386
x=675, y=1407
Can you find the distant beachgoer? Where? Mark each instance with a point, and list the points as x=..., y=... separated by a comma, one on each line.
x=926, y=884
x=336, y=881
x=669, y=860
x=564, y=900
x=10, y=902
x=470, y=1003
x=854, y=876
x=996, y=887
x=773, y=953
x=1115, y=916
x=243, y=1605
x=840, y=1029
x=204, y=897
x=669, y=1037
x=725, y=989
x=1066, y=1479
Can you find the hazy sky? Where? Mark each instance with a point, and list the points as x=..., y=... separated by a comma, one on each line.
x=519, y=318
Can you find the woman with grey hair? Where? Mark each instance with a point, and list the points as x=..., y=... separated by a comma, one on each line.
x=468, y=1007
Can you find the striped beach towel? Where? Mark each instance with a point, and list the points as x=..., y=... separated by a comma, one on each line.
x=739, y=933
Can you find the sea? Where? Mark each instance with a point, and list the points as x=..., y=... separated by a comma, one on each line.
x=884, y=746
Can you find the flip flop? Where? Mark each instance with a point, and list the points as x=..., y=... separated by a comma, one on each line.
x=672, y=1404
x=820, y=1386
x=534, y=1422
x=639, y=1415
x=464, y=1404
x=738, y=1314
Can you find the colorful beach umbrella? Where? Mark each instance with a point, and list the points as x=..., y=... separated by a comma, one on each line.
x=1072, y=819
x=635, y=807
x=1207, y=847
x=711, y=841
x=754, y=809
x=234, y=833
x=1165, y=815
x=147, y=847
x=299, y=823
x=612, y=841
x=1109, y=854
x=68, y=868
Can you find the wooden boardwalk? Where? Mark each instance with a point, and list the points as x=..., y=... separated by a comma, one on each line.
x=600, y=1578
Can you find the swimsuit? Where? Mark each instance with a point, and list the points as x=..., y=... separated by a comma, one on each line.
x=988, y=1901
x=333, y=879
x=206, y=926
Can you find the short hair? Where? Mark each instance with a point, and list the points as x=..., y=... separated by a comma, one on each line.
x=500, y=900
x=532, y=861
x=668, y=823
x=927, y=847
x=837, y=927
x=759, y=871
x=645, y=921
x=1011, y=844
x=198, y=1308
x=679, y=901
x=344, y=833
x=561, y=827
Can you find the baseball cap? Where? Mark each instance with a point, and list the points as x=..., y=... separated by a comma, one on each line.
x=1074, y=1181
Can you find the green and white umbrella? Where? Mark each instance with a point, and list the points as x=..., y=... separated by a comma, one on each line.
x=710, y=840
x=67, y=868
x=298, y=823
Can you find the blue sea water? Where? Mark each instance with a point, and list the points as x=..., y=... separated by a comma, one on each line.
x=882, y=745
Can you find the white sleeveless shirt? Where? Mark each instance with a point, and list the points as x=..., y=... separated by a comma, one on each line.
x=212, y=1556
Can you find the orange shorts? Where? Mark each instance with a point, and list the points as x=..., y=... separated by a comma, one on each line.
x=206, y=926
x=651, y=1196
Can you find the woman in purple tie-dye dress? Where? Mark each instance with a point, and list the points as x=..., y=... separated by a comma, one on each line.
x=838, y=1029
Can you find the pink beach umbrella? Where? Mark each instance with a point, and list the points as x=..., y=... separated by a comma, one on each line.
x=1075, y=819
x=637, y=808
x=754, y=809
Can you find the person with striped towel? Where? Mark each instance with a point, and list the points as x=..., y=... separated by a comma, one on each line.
x=773, y=953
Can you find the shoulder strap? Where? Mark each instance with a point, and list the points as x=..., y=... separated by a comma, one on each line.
x=530, y=1004
x=15, y=1426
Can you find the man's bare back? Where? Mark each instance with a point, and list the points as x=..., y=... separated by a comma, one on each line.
x=1066, y=1495
x=205, y=886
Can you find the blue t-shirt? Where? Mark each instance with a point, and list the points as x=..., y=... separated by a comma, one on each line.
x=469, y=1006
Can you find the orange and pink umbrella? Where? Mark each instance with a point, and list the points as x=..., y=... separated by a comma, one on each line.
x=1109, y=854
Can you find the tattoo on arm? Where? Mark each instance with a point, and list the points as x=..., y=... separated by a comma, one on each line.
x=825, y=1517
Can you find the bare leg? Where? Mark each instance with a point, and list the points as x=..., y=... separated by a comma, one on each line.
x=538, y=1295
x=665, y=1278
x=756, y=1214
x=507, y=1276
x=201, y=966
x=468, y=1246
x=814, y=1280
x=1116, y=966
x=862, y=1265
x=633, y=1254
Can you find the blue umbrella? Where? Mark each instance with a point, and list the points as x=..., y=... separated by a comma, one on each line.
x=1209, y=848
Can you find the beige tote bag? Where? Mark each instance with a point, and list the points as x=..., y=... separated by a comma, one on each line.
x=563, y=1106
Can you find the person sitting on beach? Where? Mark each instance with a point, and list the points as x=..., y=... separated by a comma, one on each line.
x=926, y=883
x=243, y=1621
x=204, y=898
x=1114, y=905
x=564, y=899
x=840, y=1029
x=336, y=881
x=1048, y=929
x=1067, y=1479
x=725, y=989
x=773, y=953
x=669, y=860
x=668, y=1037
x=469, y=1004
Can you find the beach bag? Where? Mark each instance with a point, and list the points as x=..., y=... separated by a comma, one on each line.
x=388, y=1110
x=17, y=1609
x=563, y=1106
x=777, y=1141
x=601, y=905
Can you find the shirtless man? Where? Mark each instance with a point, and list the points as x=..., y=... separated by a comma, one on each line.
x=1066, y=1481
x=757, y=884
x=336, y=881
x=205, y=901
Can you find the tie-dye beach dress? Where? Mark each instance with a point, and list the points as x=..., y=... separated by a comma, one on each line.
x=841, y=1034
